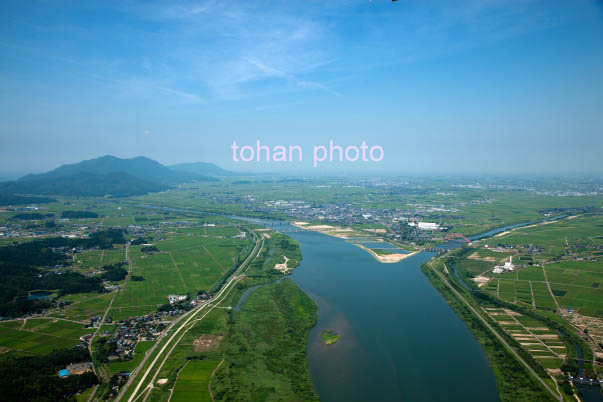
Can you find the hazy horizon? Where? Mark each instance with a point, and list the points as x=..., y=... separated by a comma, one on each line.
x=354, y=172
x=476, y=87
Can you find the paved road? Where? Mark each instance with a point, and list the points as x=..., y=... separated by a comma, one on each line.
x=187, y=319
x=102, y=321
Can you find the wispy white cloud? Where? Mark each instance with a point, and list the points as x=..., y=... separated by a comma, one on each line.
x=92, y=72
x=208, y=45
x=215, y=50
x=189, y=9
x=273, y=72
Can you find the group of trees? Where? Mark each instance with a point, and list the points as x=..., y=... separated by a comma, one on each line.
x=24, y=267
x=18, y=280
x=287, y=245
x=138, y=241
x=149, y=249
x=181, y=305
x=12, y=199
x=115, y=272
x=78, y=214
x=31, y=216
x=104, y=348
x=36, y=378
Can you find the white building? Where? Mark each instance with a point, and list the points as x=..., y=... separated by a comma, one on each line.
x=509, y=266
x=176, y=298
x=428, y=226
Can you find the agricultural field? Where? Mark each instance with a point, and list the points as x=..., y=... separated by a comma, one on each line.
x=39, y=336
x=194, y=380
x=85, y=306
x=558, y=271
x=562, y=255
x=171, y=253
x=94, y=260
x=188, y=260
x=544, y=344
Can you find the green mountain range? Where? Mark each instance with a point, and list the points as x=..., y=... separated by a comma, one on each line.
x=109, y=175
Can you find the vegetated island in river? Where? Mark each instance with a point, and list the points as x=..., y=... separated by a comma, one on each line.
x=329, y=336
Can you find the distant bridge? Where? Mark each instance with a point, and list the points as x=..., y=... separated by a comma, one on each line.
x=456, y=236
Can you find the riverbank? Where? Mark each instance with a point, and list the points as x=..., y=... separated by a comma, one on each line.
x=329, y=230
x=516, y=381
x=387, y=258
x=344, y=233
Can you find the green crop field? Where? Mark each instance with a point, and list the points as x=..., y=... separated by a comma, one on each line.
x=193, y=381
x=94, y=304
x=90, y=259
x=532, y=273
x=507, y=290
x=41, y=337
x=189, y=261
x=556, y=237
x=564, y=253
x=94, y=260
x=474, y=267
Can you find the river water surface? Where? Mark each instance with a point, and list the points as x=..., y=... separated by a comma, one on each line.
x=400, y=341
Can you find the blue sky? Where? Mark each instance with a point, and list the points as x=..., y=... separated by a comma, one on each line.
x=472, y=86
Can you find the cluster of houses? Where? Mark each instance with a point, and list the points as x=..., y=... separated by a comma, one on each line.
x=159, y=227
x=94, y=322
x=130, y=332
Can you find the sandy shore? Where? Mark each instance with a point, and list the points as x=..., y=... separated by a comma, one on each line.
x=387, y=258
x=337, y=231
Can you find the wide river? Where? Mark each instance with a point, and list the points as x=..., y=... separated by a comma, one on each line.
x=400, y=340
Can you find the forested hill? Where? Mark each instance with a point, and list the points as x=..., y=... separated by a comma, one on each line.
x=102, y=176
x=139, y=167
x=116, y=184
